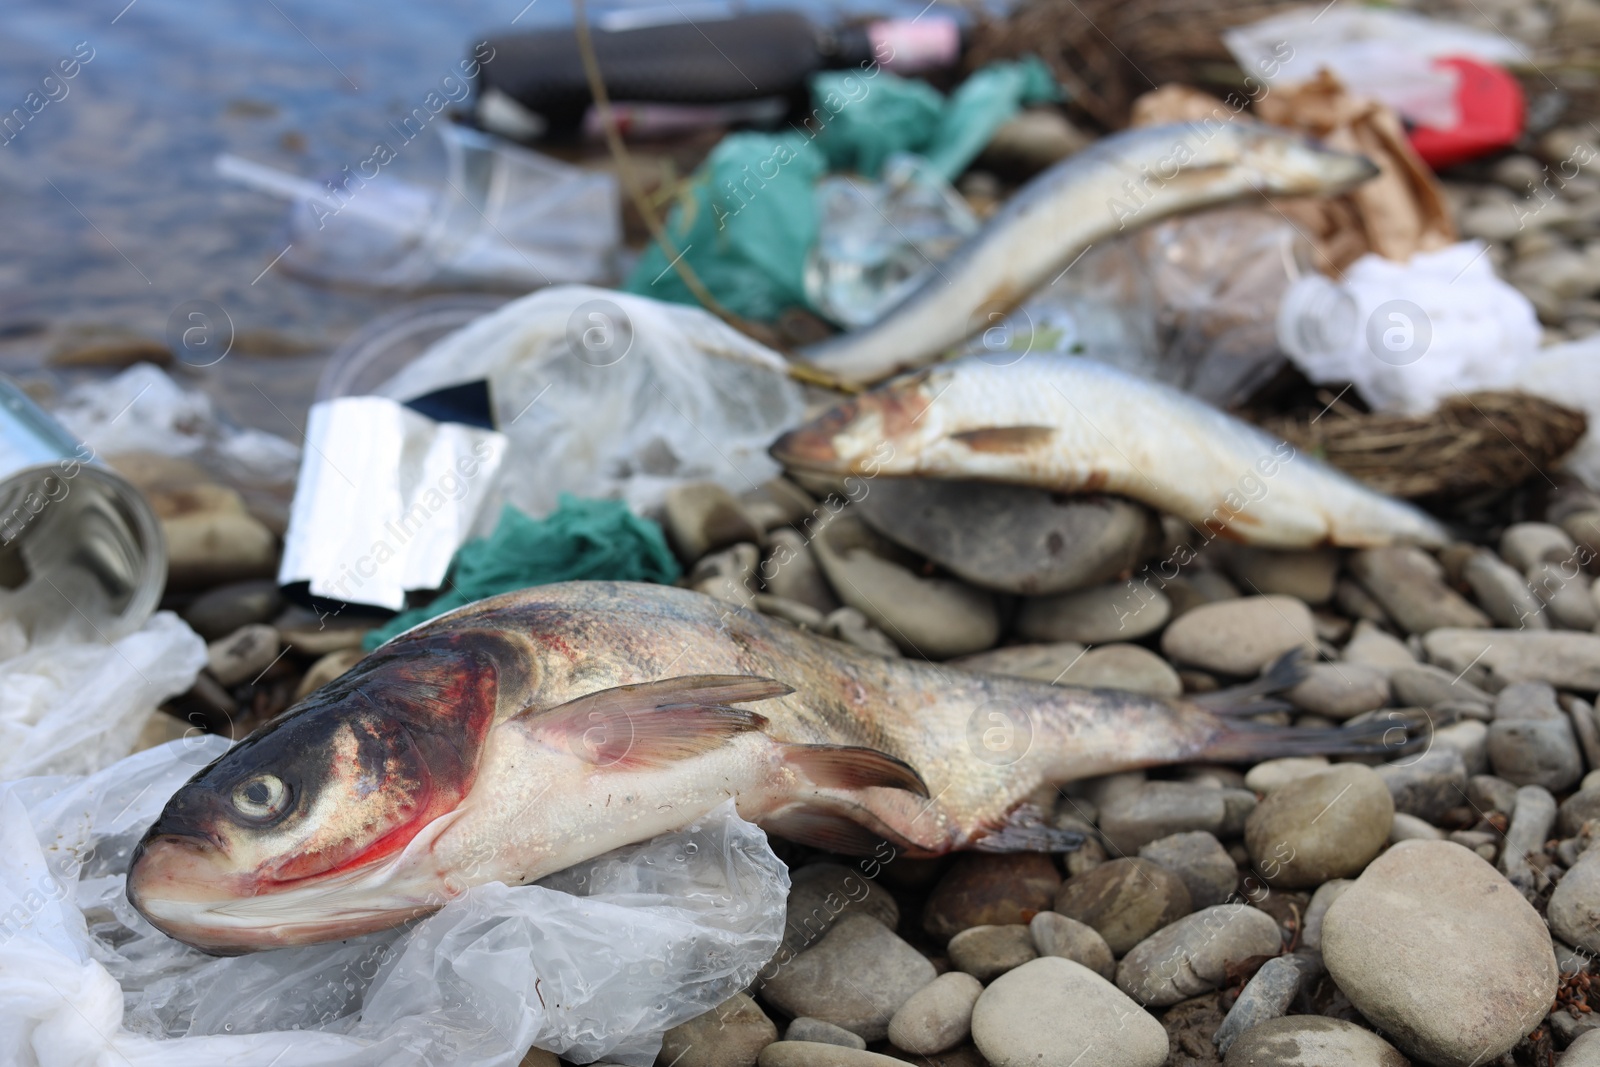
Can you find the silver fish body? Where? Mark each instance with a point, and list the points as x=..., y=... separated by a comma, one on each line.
x=1068, y=424
x=525, y=733
x=1129, y=179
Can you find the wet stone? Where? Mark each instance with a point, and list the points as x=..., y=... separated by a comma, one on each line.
x=1124, y=901
x=1010, y=538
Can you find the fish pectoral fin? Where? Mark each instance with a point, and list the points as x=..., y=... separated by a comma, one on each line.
x=853, y=767
x=824, y=829
x=1005, y=438
x=1026, y=829
x=655, y=723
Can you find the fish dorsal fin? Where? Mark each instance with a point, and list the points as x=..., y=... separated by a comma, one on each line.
x=1005, y=438
x=854, y=767
x=654, y=723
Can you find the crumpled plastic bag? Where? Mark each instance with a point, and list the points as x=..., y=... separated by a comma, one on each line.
x=597, y=961
x=1410, y=334
x=747, y=220
x=144, y=410
x=606, y=394
x=1190, y=301
x=73, y=708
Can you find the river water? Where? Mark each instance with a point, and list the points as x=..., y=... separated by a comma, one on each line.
x=111, y=213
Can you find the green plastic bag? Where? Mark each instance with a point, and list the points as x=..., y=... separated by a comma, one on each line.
x=582, y=539
x=748, y=218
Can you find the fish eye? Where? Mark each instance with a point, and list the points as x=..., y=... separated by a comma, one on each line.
x=261, y=796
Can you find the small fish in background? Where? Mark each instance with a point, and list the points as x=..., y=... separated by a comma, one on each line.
x=1066, y=424
x=1129, y=179
x=525, y=733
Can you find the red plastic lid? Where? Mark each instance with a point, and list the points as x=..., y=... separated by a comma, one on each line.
x=1491, y=106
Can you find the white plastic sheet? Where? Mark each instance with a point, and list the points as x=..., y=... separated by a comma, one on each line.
x=1410, y=334
x=606, y=394
x=667, y=930
x=143, y=409
x=1569, y=374
x=73, y=708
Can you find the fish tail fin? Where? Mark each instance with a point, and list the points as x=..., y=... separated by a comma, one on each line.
x=1253, y=697
x=1389, y=735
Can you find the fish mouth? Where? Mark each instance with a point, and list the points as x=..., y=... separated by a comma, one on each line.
x=177, y=882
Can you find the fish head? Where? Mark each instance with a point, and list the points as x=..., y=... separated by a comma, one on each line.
x=294, y=835
x=1281, y=163
x=876, y=432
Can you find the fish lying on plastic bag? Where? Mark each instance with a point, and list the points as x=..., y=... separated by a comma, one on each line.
x=595, y=962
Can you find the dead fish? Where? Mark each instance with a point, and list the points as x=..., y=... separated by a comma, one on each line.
x=1068, y=424
x=528, y=732
x=1128, y=179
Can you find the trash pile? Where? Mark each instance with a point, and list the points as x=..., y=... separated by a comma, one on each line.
x=977, y=556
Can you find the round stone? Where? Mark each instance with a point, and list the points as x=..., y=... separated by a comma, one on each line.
x=1320, y=827
x=1312, y=1041
x=1191, y=956
x=987, y=952
x=989, y=890
x=1443, y=954
x=1056, y=935
x=938, y=1016
x=1241, y=636
x=1055, y=1013
x=1124, y=901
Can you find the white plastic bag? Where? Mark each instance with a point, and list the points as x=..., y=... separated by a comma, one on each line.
x=73, y=708
x=1569, y=374
x=144, y=410
x=607, y=394
x=668, y=929
x=1410, y=334
x=1387, y=55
